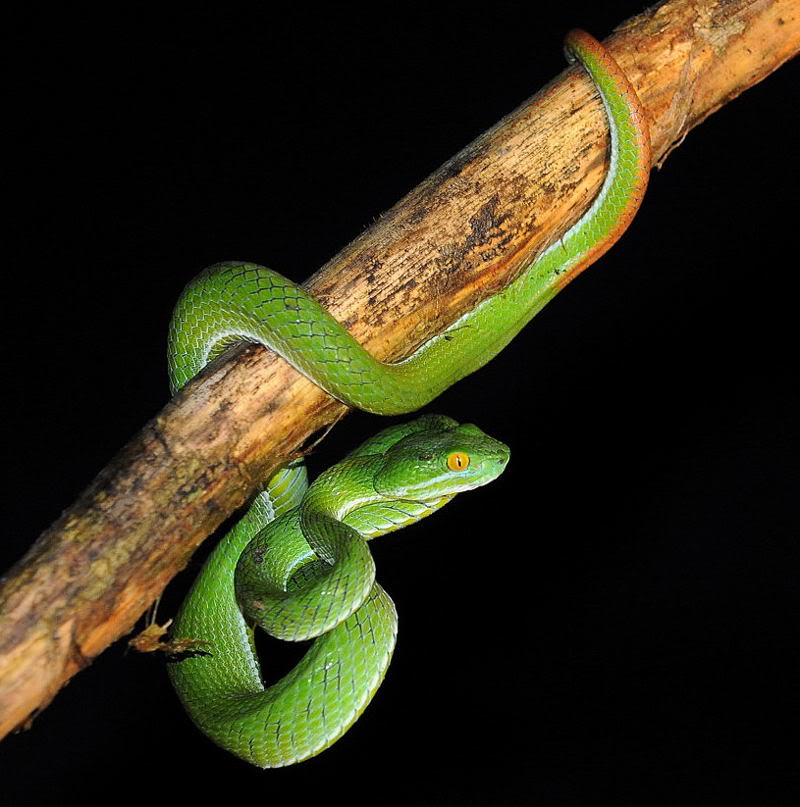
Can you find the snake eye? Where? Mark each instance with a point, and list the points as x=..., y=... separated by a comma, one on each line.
x=459, y=461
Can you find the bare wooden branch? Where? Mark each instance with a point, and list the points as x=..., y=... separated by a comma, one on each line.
x=457, y=238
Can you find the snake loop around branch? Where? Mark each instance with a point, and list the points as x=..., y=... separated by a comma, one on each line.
x=297, y=562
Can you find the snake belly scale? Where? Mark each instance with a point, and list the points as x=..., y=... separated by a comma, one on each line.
x=297, y=563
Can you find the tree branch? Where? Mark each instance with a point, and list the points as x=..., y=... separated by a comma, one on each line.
x=458, y=237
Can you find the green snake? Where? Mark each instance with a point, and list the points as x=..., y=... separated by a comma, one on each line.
x=297, y=564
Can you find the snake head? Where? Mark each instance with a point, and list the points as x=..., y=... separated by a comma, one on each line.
x=430, y=464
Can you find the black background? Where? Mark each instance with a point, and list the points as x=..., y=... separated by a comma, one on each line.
x=616, y=617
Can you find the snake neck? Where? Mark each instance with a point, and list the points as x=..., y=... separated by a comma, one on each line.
x=341, y=489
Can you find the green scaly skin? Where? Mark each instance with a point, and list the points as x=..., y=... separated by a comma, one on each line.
x=309, y=573
x=229, y=302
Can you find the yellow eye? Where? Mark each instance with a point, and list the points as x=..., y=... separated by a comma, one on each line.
x=458, y=461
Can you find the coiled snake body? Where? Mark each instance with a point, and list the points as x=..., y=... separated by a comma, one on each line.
x=297, y=563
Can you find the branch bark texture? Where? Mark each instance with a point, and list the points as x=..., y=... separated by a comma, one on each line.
x=457, y=238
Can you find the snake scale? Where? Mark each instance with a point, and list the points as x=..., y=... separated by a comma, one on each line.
x=297, y=564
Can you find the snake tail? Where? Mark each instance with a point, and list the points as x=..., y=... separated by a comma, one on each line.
x=232, y=301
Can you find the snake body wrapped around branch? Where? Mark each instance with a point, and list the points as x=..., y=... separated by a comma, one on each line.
x=297, y=563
